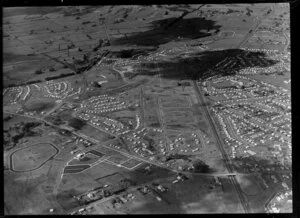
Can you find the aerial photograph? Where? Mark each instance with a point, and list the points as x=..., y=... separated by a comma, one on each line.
x=147, y=109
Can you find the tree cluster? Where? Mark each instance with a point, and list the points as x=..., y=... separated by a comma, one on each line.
x=12, y=136
x=200, y=166
x=76, y=123
x=177, y=156
x=38, y=72
x=59, y=76
x=126, y=183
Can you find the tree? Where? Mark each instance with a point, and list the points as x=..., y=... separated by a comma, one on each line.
x=76, y=123
x=85, y=58
x=38, y=72
x=200, y=166
x=126, y=183
x=177, y=156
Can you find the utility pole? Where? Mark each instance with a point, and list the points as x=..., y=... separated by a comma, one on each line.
x=106, y=32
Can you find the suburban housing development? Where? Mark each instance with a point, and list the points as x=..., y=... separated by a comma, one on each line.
x=147, y=109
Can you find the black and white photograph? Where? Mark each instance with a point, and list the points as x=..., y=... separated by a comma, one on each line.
x=147, y=109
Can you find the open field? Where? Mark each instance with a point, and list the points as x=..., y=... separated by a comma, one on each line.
x=118, y=159
x=95, y=133
x=22, y=197
x=33, y=157
x=152, y=114
x=179, y=119
x=131, y=163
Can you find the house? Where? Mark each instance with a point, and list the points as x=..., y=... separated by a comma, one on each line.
x=158, y=198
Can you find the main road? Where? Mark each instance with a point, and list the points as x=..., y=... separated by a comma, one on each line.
x=97, y=143
x=222, y=150
x=215, y=131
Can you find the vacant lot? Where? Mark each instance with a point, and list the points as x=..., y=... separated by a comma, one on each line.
x=179, y=120
x=174, y=101
x=39, y=104
x=131, y=163
x=95, y=133
x=118, y=158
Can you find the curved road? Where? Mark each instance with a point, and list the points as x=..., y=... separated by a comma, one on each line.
x=38, y=167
